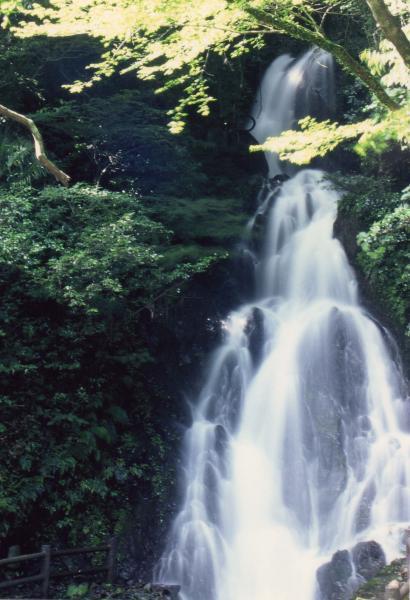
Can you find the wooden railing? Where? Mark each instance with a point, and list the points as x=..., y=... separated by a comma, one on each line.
x=47, y=558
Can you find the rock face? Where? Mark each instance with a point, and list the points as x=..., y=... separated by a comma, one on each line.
x=333, y=577
x=339, y=578
x=368, y=559
x=254, y=330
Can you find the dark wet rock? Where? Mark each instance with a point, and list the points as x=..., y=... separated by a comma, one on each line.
x=368, y=559
x=221, y=439
x=258, y=234
x=333, y=577
x=278, y=179
x=345, y=229
x=247, y=262
x=227, y=393
x=254, y=330
x=339, y=578
x=362, y=520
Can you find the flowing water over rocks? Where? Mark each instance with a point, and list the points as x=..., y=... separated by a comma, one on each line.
x=299, y=449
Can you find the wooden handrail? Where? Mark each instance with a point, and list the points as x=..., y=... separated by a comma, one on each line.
x=21, y=558
x=20, y=581
x=47, y=555
x=87, y=550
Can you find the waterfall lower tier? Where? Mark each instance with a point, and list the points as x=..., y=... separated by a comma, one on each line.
x=300, y=442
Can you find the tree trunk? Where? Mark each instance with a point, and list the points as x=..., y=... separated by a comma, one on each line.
x=339, y=52
x=39, y=149
x=390, y=26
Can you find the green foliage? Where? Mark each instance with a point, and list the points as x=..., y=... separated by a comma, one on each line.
x=17, y=162
x=384, y=60
x=174, y=42
x=209, y=221
x=314, y=139
x=87, y=279
x=383, y=216
x=82, y=267
x=385, y=259
x=367, y=199
x=77, y=591
x=376, y=585
x=81, y=418
x=191, y=30
x=123, y=141
x=319, y=138
x=8, y=8
x=383, y=133
x=17, y=79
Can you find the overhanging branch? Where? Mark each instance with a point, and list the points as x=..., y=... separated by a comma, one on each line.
x=339, y=52
x=39, y=149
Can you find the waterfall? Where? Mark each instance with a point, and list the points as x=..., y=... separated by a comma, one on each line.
x=300, y=443
x=289, y=91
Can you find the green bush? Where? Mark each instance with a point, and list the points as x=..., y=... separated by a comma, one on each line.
x=379, y=215
x=368, y=199
x=81, y=418
x=385, y=259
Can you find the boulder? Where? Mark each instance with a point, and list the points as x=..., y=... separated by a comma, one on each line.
x=368, y=558
x=334, y=577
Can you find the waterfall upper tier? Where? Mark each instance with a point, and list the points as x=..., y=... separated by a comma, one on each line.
x=290, y=90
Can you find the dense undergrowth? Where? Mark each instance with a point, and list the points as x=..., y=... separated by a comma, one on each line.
x=380, y=221
x=80, y=269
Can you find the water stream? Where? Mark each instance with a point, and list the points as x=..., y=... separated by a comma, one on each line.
x=300, y=442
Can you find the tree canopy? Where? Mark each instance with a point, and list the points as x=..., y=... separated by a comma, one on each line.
x=174, y=41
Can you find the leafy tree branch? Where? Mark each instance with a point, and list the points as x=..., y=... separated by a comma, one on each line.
x=339, y=52
x=318, y=138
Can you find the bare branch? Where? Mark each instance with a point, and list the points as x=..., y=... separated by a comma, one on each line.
x=39, y=149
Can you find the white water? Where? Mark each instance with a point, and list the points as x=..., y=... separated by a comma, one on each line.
x=290, y=90
x=300, y=441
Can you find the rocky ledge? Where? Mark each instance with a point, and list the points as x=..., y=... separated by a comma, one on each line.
x=375, y=587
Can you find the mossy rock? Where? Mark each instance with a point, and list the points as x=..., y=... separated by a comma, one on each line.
x=374, y=588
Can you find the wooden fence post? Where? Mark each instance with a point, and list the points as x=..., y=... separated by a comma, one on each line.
x=45, y=571
x=112, y=559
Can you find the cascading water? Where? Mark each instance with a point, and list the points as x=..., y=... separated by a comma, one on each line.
x=300, y=440
x=289, y=91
